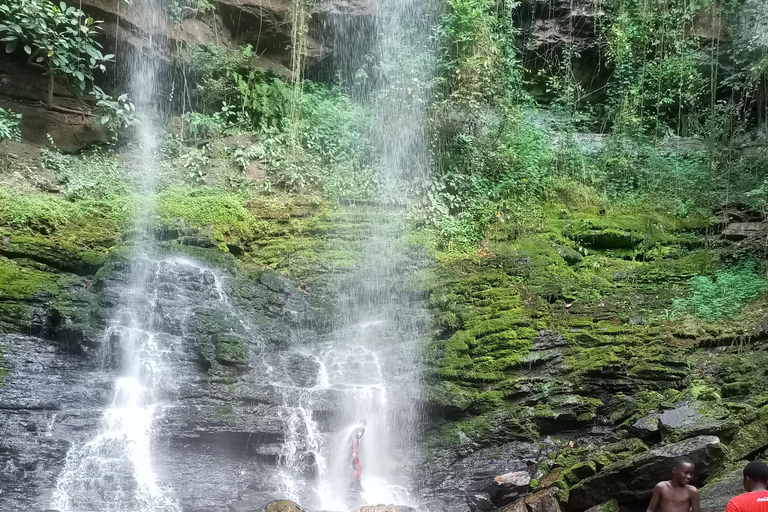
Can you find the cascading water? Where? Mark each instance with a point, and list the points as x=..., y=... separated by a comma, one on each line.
x=370, y=361
x=367, y=365
x=113, y=471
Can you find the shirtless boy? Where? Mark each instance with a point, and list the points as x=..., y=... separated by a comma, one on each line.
x=677, y=495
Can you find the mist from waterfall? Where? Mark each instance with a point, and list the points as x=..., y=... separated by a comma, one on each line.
x=114, y=470
x=371, y=359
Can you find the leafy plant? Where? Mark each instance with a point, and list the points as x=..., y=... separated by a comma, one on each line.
x=116, y=114
x=723, y=296
x=180, y=10
x=60, y=40
x=9, y=129
x=202, y=126
x=95, y=177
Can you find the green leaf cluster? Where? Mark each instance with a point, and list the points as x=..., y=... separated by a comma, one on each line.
x=9, y=125
x=60, y=39
x=724, y=295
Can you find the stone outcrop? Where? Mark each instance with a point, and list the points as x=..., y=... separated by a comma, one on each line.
x=716, y=494
x=685, y=421
x=23, y=90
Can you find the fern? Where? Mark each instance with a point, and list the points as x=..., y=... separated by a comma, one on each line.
x=723, y=296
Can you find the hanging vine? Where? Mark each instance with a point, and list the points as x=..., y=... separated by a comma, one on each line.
x=301, y=13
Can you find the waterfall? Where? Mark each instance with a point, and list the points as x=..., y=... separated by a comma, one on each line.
x=114, y=471
x=368, y=364
x=370, y=360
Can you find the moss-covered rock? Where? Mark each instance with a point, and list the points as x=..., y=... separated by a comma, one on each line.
x=230, y=350
x=750, y=438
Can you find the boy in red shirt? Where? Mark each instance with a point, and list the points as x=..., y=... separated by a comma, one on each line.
x=755, y=483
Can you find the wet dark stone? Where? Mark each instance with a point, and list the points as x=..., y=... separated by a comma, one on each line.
x=633, y=479
x=646, y=427
x=302, y=370
x=686, y=421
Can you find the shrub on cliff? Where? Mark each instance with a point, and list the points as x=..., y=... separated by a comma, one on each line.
x=723, y=296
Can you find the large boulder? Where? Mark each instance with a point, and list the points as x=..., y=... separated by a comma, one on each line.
x=686, y=421
x=716, y=495
x=543, y=501
x=633, y=479
x=750, y=438
x=646, y=427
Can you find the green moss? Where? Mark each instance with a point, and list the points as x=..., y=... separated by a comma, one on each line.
x=20, y=283
x=543, y=411
x=608, y=506
x=3, y=370
x=597, y=358
x=750, y=438
x=225, y=412
x=70, y=256
x=230, y=350
x=202, y=208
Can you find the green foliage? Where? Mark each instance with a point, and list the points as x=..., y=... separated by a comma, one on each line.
x=496, y=173
x=658, y=65
x=9, y=125
x=116, y=114
x=477, y=60
x=96, y=177
x=211, y=68
x=491, y=164
x=179, y=10
x=59, y=39
x=202, y=126
x=723, y=296
x=326, y=147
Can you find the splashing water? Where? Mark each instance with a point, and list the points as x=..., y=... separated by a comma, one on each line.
x=113, y=471
x=369, y=364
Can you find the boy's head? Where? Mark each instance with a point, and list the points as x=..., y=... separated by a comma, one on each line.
x=755, y=476
x=682, y=470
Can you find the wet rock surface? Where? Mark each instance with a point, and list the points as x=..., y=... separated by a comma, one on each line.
x=633, y=479
x=49, y=399
x=716, y=495
x=216, y=438
x=685, y=421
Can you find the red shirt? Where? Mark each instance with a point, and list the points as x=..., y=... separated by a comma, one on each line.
x=749, y=502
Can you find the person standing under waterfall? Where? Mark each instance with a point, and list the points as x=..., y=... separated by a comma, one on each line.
x=354, y=451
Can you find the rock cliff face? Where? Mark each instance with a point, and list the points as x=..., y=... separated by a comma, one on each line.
x=264, y=24
x=224, y=421
x=582, y=357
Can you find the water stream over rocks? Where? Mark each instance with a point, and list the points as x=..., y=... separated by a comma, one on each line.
x=205, y=387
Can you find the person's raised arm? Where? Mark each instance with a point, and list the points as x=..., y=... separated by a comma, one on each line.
x=654, y=504
x=695, y=501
